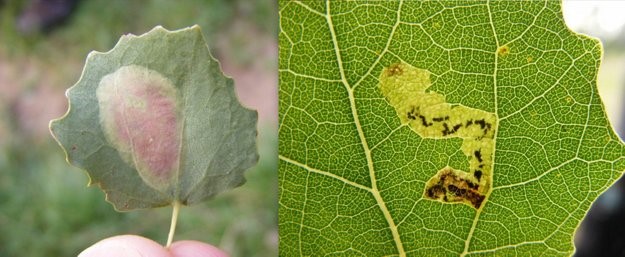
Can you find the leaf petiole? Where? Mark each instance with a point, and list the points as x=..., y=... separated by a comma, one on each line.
x=174, y=219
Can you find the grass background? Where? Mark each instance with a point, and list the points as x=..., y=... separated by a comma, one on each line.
x=45, y=207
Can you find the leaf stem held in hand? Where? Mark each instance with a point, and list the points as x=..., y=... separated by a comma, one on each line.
x=172, y=228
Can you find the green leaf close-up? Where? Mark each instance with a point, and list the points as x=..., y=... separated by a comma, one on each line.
x=438, y=128
x=155, y=122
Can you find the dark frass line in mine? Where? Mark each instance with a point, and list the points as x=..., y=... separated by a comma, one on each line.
x=478, y=155
x=453, y=130
x=477, y=174
x=415, y=113
x=430, y=116
x=458, y=187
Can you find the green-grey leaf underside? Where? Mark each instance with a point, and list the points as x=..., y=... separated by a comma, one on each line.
x=352, y=177
x=218, y=135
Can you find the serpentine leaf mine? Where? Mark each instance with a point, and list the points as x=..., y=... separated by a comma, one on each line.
x=430, y=116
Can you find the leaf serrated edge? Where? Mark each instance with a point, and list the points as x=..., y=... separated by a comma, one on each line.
x=93, y=54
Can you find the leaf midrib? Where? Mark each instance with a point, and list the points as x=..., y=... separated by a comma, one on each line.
x=352, y=100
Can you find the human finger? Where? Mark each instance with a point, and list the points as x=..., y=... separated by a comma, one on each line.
x=125, y=246
x=195, y=249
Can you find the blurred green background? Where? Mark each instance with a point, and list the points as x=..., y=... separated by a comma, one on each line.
x=46, y=209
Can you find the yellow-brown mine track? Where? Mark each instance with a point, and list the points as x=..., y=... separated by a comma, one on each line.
x=431, y=116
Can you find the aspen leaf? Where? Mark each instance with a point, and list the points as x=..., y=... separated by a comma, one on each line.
x=154, y=121
x=438, y=128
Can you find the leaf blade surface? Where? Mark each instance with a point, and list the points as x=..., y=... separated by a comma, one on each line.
x=353, y=173
x=155, y=121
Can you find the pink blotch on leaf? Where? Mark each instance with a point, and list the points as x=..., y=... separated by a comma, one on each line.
x=146, y=121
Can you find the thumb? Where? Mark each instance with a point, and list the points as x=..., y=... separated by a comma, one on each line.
x=136, y=246
x=125, y=246
x=195, y=249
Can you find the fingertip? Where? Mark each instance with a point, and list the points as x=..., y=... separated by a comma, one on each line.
x=189, y=248
x=125, y=246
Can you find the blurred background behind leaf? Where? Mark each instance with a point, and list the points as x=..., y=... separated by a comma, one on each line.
x=45, y=207
x=602, y=231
